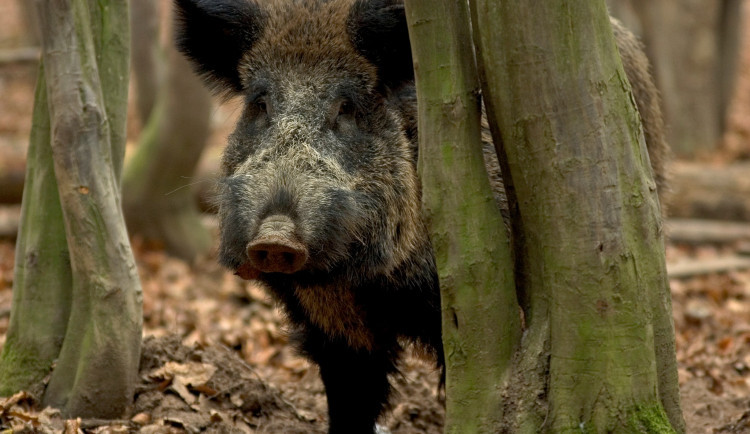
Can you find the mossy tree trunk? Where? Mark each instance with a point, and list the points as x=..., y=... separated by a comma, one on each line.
x=481, y=325
x=159, y=203
x=42, y=275
x=76, y=313
x=597, y=350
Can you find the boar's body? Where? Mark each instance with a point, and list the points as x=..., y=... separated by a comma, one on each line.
x=320, y=198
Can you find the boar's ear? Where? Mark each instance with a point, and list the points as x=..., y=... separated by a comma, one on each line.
x=214, y=35
x=378, y=30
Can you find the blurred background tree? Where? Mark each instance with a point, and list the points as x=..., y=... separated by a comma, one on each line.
x=693, y=46
x=169, y=123
x=174, y=108
x=696, y=50
x=30, y=20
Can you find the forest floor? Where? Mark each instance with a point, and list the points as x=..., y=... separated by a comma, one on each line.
x=215, y=353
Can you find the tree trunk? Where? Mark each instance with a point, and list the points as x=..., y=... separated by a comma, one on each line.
x=597, y=352
x=42, y=275
x=85, y=304
x=730, y=39
x=481, y=322
x=146, y=54
x=693, y=46
x=30, y=21
x=158, y=201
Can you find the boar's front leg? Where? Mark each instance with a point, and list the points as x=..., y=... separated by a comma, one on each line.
x=356, y=381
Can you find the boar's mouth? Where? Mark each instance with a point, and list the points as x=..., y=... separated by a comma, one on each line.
x=247, y=272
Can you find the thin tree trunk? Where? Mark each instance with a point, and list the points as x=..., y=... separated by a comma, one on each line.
x=159, y=203
x=144, y=19
x=730, y=38
x=481, y=321
x=87, y=86
x=80, y=121
x=683, y=38
x=42, y=275
x=30, y=21
x=593, y=255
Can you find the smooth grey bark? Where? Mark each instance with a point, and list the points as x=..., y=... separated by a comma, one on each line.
x=79, y=133
x=96, y=370
x=595, y=349
x=42, y=274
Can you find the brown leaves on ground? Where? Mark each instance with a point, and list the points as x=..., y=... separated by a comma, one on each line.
x=216, y=357
x=201, y=320
x=712, y=331
x=208, y=389
x=19, y=412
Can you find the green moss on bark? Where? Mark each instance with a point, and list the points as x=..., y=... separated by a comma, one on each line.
x=588, y=225
x=42, y=275
x=481, y=323
x=649, y=419
x=22, y=368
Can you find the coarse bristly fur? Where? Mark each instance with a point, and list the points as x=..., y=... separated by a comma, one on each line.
x=328, y=140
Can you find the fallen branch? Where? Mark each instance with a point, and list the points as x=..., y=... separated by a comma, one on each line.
x=19, y=55
x=697, y=267
x=708, y=192
x=706, y=231
x=10, y=217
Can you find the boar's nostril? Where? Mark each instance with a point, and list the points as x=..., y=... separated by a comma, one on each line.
x=276, y=248
x=277, y=255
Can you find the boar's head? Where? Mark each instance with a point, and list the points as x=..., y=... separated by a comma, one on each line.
x=319, y=175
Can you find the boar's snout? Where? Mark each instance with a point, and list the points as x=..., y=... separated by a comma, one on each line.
x=277, y=248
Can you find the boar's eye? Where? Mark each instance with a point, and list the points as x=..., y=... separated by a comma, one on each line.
x=258, y=107
x=346, y=107
x=260, y=104
x=343, y=113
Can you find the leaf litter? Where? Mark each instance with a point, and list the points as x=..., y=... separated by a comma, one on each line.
x=216, y=358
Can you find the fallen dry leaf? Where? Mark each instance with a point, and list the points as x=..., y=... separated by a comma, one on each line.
x=184, y=375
